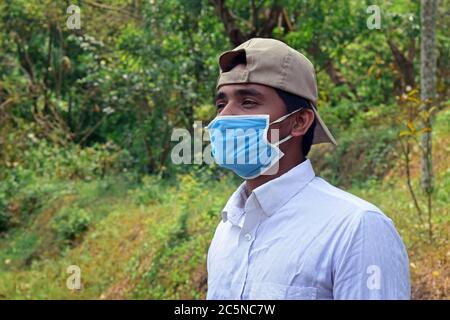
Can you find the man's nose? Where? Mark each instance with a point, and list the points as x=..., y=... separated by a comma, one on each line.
x=230, y=110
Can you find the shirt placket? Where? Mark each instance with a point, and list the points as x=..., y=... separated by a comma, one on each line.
x=246, y=240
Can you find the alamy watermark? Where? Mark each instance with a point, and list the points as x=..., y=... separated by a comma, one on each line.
x=74, y=20
x=374, y=278
x=231, y=147
x=374, y=20
x=73, y=282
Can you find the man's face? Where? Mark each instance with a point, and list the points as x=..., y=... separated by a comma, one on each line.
x=247, y=99
x=250, y=99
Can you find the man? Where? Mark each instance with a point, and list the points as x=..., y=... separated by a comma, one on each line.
x=286, y=233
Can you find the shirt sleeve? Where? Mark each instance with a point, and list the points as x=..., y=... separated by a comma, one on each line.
x=374, y=264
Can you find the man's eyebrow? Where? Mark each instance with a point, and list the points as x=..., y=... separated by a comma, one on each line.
x=249, y=92
x=240, y=93
x=220, y=95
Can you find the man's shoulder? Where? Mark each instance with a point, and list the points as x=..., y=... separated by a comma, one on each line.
x=329, y=198
x=353, y=218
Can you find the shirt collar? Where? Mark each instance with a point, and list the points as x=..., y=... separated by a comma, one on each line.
x=234, y=209
x=272, y=195
x=277, y=192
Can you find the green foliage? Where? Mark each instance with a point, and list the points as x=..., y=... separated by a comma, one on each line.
x=366, y=147
x=19, y=197
x=150, y=191
x=185, y=241
x=4, y=217
x=37, y=170
x=71, y=223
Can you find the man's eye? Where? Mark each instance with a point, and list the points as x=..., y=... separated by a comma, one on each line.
x=220, y=105
x=249, y=102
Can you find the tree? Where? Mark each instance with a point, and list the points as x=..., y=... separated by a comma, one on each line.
x=428, y=91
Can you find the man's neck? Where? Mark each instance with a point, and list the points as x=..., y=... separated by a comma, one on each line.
x=285, y=165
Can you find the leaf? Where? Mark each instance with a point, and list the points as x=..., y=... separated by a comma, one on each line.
x=418, y=101
x=411, y=126
x=371, y=69
x=413, y=92
x=404, y=133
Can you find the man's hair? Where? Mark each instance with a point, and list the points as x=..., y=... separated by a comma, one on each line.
x=294, y=102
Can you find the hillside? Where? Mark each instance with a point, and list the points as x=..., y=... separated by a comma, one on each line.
x=148, y=240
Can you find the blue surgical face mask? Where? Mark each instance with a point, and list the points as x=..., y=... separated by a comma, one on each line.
x=240, y=143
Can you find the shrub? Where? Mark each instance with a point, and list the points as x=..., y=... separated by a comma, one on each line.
x=70, y=223
x=4, y=216
x=151, y=191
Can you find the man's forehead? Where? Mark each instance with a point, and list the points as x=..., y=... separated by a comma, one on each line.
x=244, y=88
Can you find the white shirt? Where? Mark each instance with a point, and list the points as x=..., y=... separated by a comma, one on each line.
x=298, y=237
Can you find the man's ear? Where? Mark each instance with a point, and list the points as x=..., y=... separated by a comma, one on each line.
x=302, y=121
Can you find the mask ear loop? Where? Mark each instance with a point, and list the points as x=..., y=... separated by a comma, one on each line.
x=285, y=116
x=276, y=144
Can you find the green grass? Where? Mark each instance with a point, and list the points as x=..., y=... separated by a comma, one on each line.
x=126, y=250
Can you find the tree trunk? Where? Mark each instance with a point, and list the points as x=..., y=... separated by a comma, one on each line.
x=427, y=79
x=427, y=94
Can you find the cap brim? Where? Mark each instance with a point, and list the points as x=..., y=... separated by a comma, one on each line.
x=321, y=132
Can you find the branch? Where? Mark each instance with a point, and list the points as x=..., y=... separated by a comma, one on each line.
x=112, y=8
x=235, y=35
x=404, y=63
x=330, y=68
x=24, y=59
x=406, y=152
x=271, y=21
x=91, y=130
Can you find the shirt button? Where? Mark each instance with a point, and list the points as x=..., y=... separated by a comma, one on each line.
x=248, y=236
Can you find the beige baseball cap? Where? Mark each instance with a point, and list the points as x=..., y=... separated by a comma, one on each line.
x=273, y=63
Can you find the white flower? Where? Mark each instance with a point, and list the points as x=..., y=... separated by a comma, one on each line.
x=108, y=110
